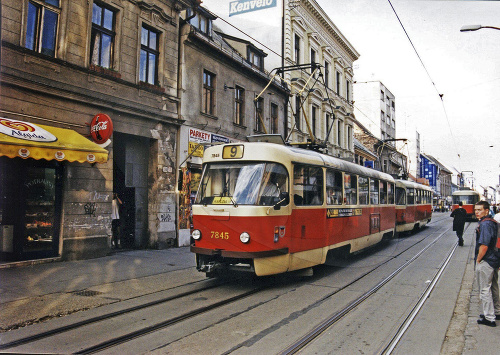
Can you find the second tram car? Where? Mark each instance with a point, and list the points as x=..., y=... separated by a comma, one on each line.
x=413, y=205
x=270, y=208
x=468, y=198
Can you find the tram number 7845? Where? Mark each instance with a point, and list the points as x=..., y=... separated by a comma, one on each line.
x=219, y=235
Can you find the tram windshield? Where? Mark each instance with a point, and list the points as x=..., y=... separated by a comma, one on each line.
x=465, y=199
x=242, y=184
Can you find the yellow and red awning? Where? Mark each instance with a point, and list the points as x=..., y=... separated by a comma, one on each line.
x=27, y=140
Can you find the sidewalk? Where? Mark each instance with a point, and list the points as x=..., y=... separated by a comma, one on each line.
x=41, y=291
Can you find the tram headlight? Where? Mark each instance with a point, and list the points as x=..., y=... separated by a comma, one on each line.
x=196, y=234
x=245, y=237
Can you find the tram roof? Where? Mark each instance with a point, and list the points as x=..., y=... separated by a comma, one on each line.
x=465, y=193
x=263, y=151
x=412, y=184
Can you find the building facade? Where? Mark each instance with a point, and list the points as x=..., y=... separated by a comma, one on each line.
x=319, y=62
x=376, y=109
x=62, y=64
x=439, y=178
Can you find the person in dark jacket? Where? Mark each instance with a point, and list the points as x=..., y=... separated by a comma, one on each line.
x=487, y=264
x=459, y=216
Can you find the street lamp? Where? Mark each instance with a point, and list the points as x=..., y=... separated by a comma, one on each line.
x=468, y=28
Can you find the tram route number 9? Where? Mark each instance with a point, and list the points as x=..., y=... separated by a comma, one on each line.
x=232, y=152
x=219, y=235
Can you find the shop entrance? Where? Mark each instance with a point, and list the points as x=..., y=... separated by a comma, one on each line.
x=30, y=208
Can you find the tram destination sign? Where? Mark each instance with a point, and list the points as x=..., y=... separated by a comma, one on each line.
x=343, y=212
x=242, y=6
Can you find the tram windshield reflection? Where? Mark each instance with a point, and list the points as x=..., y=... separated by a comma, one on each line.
x=242, y=184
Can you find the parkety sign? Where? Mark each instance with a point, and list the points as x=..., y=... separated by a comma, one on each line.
x=242, y=6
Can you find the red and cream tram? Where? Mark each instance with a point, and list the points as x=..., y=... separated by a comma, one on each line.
x=413, y=205
x=271, y=208
x=468, y=198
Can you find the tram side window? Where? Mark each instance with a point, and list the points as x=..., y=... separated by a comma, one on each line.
x=383, y=192
x=350, y=189
x=390, y=194
x=374, y=192
x=274, y=183
x=308, y=185
x=410, y=196
x=333, y=187
x=363, y=190
x=400, y=196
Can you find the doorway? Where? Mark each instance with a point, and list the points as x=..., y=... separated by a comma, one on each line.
x=130, y=182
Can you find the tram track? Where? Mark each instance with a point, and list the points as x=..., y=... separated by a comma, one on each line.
x=322, y=327
x=107, y=316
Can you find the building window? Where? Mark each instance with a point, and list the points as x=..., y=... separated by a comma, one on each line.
x=327, y=72
x=259, y=115
x=347, y=90
x=200, y=22
x=149, y=56
x=239, y=105
x=208, y=104
x=103, y=35
x=298, y=107
x=255, y=59
x=297, y=49
x=313, y=120
x=274, y=118
x=41, y=26
x=313, y=57
x=327, y=123
x=382, y=95
x=339, y=133
x=349, y=137
x=338, y=79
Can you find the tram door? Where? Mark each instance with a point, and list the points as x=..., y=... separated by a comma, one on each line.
x=374, y=223
x=308, y=216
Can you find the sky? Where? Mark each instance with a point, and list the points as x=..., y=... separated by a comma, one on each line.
x=452, y=99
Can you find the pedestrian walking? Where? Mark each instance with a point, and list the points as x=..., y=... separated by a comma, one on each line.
x=115, y=221
x=459, y=216
x=487, y=264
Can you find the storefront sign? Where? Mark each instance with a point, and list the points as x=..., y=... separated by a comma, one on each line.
x=219, y=139
x=25, y=130
x=242, y=6
x=196, y=138
x=101, y=128
x=196, y=149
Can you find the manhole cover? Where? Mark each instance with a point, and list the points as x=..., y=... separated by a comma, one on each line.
x=87, y=293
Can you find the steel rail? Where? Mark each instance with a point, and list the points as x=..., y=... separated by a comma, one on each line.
x=406, y=324
x=323, y=326
x=141, y=332
x=96, y=319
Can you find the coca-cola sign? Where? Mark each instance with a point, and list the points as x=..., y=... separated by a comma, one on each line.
x=101, y=128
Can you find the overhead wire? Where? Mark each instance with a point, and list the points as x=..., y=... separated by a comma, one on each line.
x=430, y=78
